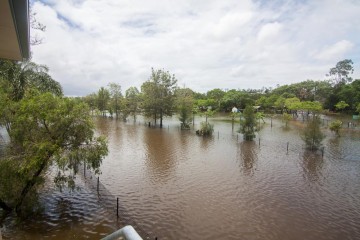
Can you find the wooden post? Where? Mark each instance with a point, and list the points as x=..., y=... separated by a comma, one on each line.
x=218, y=134
x=287, y=147
x=322, y=152
x=259, y=141
x=98, y=181
x=271, y=121
x=84, y=169
x=117, y=207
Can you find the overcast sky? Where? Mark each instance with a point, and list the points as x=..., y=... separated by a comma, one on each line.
x=206, y=43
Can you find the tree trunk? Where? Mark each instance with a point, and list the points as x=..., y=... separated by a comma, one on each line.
x=4, y=206
x=29, y=186
x=161, y=118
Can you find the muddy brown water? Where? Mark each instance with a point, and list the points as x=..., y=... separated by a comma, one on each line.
x=172, y=184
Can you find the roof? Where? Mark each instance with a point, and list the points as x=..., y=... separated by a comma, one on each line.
x=14, y=29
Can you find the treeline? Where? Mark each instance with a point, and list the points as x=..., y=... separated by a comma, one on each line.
x=159, y=96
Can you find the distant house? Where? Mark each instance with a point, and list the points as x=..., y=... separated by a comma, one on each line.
x=14, y=30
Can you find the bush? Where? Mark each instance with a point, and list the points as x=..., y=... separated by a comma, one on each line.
x=286, y=118
x=248, y=125
x=335, y=126
x=312, y=134
x=206, y=129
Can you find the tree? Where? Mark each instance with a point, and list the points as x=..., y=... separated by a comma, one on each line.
x=46, y=131
x=341, y=105
x=286, y=118
x=217, y=94
x=280, y=103
x=340, y=73
x=335, y=127
x=25, y=76
x=314, y=107
x=184, y=103
x=116, y=98
x=292, y=103
x=91, y=100
x=312, y=135
x=159, y=95
x=358, y=108
x=133, y=98
x=103, y=98
x=248, y=126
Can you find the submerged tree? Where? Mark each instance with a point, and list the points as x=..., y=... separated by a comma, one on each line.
x=133, y=98
x=286, y=118
x=115, y=98
x=159, y=95
x=46, y=131
x=248, y=125
x=335, y=127
x=184, y=103
x=312, y=134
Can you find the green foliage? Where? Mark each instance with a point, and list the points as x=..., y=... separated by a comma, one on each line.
x=206, y=129
x=292, y=103
x=335, y=126
x=358, y=108
x=340, y=73
x=286, y=118
x=341, y=105
x=216, y=94
x=103, y=98
x=133, y=99
x=184, y=103
x=45, y=131
x=280, y=103
x=159, y=95
x=208, y=113
x=24, y=77
x=312, y=135
x=115, y=98
x=310, y=106
x=248, y=125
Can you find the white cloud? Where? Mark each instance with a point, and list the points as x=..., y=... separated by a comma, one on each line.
x=269, y=31
x=206, y=44
x=335, y=51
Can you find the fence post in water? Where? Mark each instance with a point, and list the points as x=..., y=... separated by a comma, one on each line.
x=322, y=151
x=218, y=134
x=271, y=121
x=237, y=136
x=117, y=207
x=259, y=142
x=98, y=183
x=287, y=147
x=84, y=169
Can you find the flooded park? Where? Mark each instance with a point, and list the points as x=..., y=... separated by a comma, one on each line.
x=173, y=184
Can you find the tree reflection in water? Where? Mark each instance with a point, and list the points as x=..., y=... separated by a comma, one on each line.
x=160, y=160
x=247, y=152
x=312, y=164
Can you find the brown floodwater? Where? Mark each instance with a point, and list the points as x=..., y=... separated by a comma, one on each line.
x=173, y=184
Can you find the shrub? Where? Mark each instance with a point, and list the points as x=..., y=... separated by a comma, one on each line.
x=206, y=129
x=335, y=126
x=312, y=134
